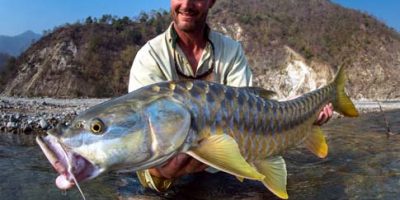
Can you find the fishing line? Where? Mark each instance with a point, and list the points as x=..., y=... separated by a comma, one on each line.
x=72, y=174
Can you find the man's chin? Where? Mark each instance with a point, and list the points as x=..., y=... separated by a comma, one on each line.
x=188, y=27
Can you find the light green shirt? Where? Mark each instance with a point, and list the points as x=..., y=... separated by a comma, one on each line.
x=157, y=60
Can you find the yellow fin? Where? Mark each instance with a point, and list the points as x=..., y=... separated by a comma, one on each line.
x=241, y=179
x=211, y=170
x=274, y=170
x=342, y=102
x=316, y=142
x=222, y=152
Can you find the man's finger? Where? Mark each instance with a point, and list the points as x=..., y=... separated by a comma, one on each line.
x=330, y=110
x=325, y=114
x=195, y=166
x=321, y=118
x=172, y=167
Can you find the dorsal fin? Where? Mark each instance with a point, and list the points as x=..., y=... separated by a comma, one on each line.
x=266, y=94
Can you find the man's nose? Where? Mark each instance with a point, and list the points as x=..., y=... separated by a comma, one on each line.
x=186, y=4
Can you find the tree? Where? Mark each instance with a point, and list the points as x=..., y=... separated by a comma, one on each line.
x=143, y=17
x=89, y=20
x=106, y=19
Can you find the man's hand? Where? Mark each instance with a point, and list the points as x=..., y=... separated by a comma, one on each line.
x=179, y=165
x=325, y=114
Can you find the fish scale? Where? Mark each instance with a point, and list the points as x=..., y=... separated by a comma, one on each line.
x=218, y=102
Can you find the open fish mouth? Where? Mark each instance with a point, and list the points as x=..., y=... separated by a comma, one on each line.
x=72, y=167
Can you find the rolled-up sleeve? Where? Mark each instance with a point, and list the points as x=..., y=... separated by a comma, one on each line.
x=240, y=74
x=144, y=70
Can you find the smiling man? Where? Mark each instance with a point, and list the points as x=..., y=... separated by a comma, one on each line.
x=188, y=49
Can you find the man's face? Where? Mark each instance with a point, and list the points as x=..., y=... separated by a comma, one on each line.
x=190, y=15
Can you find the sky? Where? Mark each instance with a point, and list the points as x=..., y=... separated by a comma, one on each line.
x=387, y=11
x=18, y=16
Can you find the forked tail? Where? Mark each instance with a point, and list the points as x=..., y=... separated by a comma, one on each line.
x=342, y=102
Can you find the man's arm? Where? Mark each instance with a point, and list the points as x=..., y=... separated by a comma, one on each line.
x=239, y=73
x=144, y=70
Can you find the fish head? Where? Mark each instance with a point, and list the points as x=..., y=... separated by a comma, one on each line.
x=116, y=135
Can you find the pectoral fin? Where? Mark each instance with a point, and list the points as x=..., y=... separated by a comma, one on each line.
x=274, y=170
x=241, y=179
x=222, y=152
x=316, y=142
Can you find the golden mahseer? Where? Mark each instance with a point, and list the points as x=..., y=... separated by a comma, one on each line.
x=237, y=130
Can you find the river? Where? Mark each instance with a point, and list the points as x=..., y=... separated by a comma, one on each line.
x=363, y=163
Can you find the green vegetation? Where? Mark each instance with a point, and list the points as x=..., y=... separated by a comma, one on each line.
x=110, y=44
x=3, y=60
x=8, y=70
x=105, y=47
x=318, y=29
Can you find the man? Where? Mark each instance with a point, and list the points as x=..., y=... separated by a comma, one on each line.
x=190, y=50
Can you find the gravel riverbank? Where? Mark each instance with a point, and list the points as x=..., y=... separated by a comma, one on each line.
x=37, y=115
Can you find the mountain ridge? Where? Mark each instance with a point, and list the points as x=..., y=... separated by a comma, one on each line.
x=15, y=45
x=292, y=47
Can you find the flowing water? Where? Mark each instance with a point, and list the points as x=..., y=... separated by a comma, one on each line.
x=363, y=163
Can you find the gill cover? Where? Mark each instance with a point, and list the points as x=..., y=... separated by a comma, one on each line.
x=169, y=124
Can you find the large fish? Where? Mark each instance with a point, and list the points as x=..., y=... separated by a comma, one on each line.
x=236, y=130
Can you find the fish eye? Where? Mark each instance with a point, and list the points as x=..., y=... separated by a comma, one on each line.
x=97, y=127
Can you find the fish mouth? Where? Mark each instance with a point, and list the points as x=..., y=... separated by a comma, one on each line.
x=72, y=167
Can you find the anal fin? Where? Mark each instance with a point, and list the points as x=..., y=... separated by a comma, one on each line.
x=241, y=179
x=274, y=170
x=316, y=142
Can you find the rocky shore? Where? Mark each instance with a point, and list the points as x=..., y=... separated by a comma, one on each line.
x=37, y=115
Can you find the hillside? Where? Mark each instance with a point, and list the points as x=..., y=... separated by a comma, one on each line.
x=89, y=59
x=323, y=33
x=3, y=60
x=15, y=45
x=293, y=46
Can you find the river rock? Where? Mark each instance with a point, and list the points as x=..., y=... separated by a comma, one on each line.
x=11, y=125
x=43, y=124
x=17, y=116
x=27, y=129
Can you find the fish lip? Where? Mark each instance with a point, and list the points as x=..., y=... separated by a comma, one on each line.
x=56, y=153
